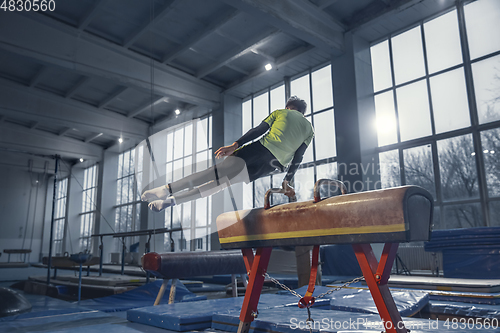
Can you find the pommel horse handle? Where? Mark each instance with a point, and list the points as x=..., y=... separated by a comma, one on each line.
x=319, y=183
x=267, y=196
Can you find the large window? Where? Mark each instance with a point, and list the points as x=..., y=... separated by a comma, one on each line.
x=315, y=87
x=437, y=101
x=60, y=215
x=87, y=217
x=127, y=209
x=189, y=149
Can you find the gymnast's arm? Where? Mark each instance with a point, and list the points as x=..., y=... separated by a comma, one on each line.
x=252, y=134
x=294, y=165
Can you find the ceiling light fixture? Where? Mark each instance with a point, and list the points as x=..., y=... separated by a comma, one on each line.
x=120, y=140
x=177, y=111
x=81, y=160
x=268, y=67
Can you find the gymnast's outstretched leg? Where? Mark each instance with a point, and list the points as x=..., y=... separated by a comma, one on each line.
x=198, y=185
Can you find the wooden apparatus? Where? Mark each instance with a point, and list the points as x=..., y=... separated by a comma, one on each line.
x=389, y=216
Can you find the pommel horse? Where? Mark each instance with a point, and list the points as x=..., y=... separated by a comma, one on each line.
x=389, y=216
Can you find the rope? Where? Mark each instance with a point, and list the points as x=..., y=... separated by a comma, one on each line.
x=150, y=148
x=34, y=214
x=29, y=203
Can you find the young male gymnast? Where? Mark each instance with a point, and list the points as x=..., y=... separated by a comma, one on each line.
x=286, y=135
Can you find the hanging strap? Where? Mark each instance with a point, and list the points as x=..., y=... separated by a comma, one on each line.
x=308, y=300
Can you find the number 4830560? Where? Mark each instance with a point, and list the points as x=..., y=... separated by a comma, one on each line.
x=28, y=5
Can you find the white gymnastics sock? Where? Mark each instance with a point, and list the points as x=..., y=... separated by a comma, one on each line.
x=159, y=193
x=159, y=205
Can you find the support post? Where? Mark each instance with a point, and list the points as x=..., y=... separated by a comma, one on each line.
x=173, y=287
x=258, y=270
x=52, y=219
x=161, y=292
x=123, y=255
x=376, y=276
x=101, y=254
x=80, y=282
x=234, y=283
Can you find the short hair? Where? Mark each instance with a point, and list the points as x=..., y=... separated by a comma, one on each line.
x=297, y=103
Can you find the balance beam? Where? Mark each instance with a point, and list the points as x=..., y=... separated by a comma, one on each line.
x=389, y=216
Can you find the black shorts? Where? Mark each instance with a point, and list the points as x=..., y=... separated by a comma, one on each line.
x=259, y=160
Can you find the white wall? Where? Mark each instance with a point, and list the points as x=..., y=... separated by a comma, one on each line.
x=21, y=220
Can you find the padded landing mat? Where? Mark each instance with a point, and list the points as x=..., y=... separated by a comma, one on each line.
x=140, y=297
x=198, y=315
x=57, y=322
x=478, y=298
x=360, y=300
x=44, y=306
x=464, y=310
x=445, y=284
x=293, y=320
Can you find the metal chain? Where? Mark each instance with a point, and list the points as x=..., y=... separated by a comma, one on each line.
x=293, y=292
x=345, y=285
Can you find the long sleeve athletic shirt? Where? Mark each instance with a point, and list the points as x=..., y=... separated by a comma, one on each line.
x=288, y=135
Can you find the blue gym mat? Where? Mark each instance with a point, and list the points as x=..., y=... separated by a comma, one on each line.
x=408, y=302
x=293, y=320
x=55, y=322
x=198, y=315
x=140, y=297
x=44, y=306
x=464, y=309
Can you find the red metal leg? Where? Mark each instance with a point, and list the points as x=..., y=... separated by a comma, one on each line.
x=255, y=283
x=248, y=258
x=376, y=277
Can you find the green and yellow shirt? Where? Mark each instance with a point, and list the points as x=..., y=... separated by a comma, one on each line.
x=288, y=130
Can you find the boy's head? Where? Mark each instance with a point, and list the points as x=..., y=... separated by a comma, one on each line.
x=295, y=103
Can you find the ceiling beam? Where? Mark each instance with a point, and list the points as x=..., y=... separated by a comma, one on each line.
x=112, y=97
x=237, y=52
x=299, y=18
x=65, y=131
x=216, y=24
x=147, y=107
x=379, y=11
x=20, y=102
x=17, y=137
x=172, y=119
x=72, y=91
x=48, y=41
x=324, y=3
x=93, y=137
x=38, y=76
x=91, y=13
x=280, y=62
x=34, y=125
x=167, y=7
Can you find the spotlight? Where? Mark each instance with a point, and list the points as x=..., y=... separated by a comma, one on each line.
x=120, y=140
x=81, y=160
x=177, y=111
x=268, y=67
x=486, y=151
x=492, y=151
x=473, y=154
